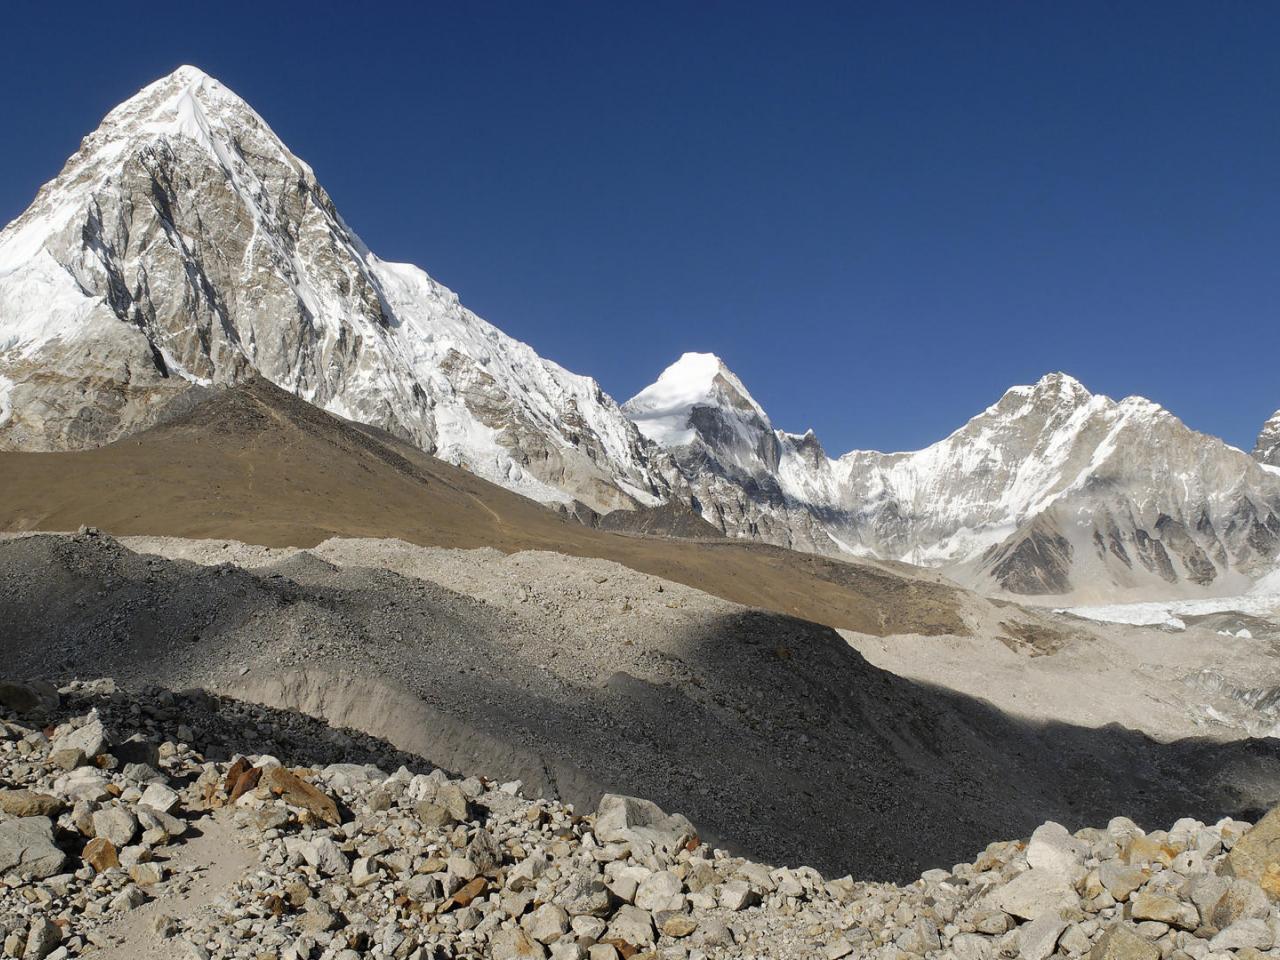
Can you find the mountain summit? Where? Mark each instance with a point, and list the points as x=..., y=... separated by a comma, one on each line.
x=663, y=410
x=1051, y=490
x=184, y=247
x=1267, y=449
x=183, y=243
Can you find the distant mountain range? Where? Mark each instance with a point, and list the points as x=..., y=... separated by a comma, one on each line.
x=184, y=246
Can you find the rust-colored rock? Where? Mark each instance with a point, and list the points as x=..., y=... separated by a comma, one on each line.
x=625, y=950
x=238, y=768
x=468, y=893
x=100, y=853
x=298, y=793
x=244, y=783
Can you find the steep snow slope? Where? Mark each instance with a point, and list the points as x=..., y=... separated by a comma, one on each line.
x=183, y=243
x=1049, y=491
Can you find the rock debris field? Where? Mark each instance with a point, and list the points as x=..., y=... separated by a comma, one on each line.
x=158, y=824
x=581, y=678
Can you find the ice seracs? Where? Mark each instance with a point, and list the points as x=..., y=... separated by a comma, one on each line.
x=184, y=244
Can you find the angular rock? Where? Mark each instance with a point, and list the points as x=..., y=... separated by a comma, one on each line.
x=679, y=926
x=971, y=946
x=147, y=874
x=1242, y=934
x=484, y=851
x=450, y=796
x=1241, y=900
x=1256, y=855
x=42, y=939
x=27, y=847
x=1165, y=909
x=1120, y=942
x=631, y=925
x=622, y=819
x=466, y=894
x=116, y=824
x=68, y=759
x=657, y=890
x=433, y=815
x=738, y=895
x=1053, y=849
x=1120, y=879
x=137, y=750
x=166, y=824
x=547, y=924
x=90, y=737
x=587, y=896
x=1038, y=939
x=1035, y=892
x=238, y=768
x=327, y=857
x=512, y=943
x=100, y=853
x=920, y=938
x=245, y=781
x=159, y=797
x=26, y=803
x=364, y=872
x=142, y=773
x=1144, y=850
x=298, y=793
x=317, y=917
x=130, y=898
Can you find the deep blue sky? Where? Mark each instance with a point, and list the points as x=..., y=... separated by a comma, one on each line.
x=880, y=215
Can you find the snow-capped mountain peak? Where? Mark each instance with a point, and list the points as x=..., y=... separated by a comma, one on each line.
x=663, y=410
x=183, y=242
x=1053, y=391
x=1049, y=479
x=1267, y=449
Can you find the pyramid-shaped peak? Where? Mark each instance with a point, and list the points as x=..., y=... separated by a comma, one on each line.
x=696, y=379
x=186, y=103
x=1057, y=389
x=1063, y=385
x=169, y=93
x=189, y=74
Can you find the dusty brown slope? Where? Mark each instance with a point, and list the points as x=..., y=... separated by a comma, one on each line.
x=256, y=464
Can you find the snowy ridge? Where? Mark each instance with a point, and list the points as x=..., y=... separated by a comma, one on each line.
x=183, y=243
x=1267, y=450
x=1049, y=480
x=184, y=234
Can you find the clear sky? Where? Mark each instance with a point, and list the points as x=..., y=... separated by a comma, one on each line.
x=880, y=215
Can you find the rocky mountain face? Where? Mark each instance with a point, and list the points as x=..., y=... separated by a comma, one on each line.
x=1267, y=449
x=1049, y=491
x=184, y=244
